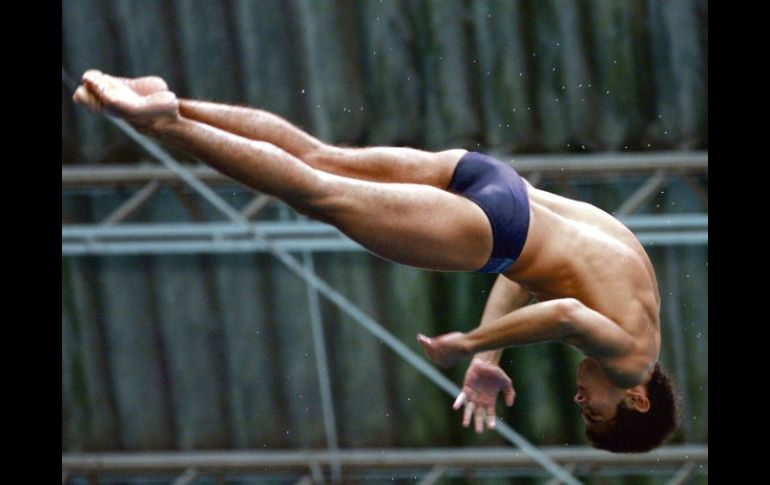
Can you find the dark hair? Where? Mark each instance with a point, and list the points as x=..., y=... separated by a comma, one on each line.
x=631, y=431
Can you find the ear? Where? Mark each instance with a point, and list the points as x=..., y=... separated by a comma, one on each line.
x=637, y=399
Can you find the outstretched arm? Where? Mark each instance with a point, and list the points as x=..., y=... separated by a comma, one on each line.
x=564, y=320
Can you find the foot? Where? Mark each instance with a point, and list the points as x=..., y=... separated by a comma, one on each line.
x=142, y=101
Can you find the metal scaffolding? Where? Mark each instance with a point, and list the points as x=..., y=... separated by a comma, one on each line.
x=113, y=235
x=425, y=464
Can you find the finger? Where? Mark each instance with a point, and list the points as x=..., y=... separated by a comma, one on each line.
x=479, y=420
x=91, y=74
x=163, y=100
x=491, y=417
x=468, y=413
x=85, y=97
x=94, y=81
x=145, y=85
x=461, y=399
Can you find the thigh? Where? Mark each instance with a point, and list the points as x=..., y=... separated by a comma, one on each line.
x=388, y=164
x=411, y=224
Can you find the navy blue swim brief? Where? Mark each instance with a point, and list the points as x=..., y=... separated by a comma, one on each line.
x=502, y=194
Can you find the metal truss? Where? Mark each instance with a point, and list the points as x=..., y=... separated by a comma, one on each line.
x=112, y=236
x=424, y=465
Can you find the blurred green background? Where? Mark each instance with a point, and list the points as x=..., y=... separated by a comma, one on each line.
x=215, y=352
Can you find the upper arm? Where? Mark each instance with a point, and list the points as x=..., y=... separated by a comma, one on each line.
x=504, y=297
x=596, y=335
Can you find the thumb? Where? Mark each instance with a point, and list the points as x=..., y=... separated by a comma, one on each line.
x=424, y=341
x=427, y=345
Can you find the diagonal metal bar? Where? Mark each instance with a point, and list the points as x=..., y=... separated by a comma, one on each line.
x=257, y=204
x=189, y=476
x=133, y=204
x=316, y=473
x=642, y=194
x=335, y=297
x=436, y=474
x=570, y=467
x=683, y=474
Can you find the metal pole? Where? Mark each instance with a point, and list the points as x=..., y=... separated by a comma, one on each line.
x=642, y=194
x=322, y=365
x=189, y=476
x=436, y=474
x=476, y=457
x=683, y=474
x=257, y=204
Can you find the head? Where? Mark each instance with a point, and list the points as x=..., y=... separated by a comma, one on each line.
x=620, y=420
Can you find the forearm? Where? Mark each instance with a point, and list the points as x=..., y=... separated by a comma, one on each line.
x=542, y=322
x=505, y=297
x=251, y=123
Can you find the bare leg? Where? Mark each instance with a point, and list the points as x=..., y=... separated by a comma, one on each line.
x=413, y=224
x=377, y=164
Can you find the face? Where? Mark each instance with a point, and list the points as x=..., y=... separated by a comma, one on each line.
x=597, y=397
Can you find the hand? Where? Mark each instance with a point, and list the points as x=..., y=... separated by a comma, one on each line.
x=483, y=381
x=141, y=101
x=445, y=350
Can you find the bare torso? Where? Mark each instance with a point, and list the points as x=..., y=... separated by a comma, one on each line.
x=575, y=250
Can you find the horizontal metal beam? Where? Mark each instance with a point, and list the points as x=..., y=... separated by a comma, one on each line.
x=303, y=235
x=607, y=162
x=560, y=164
x=428, y=458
